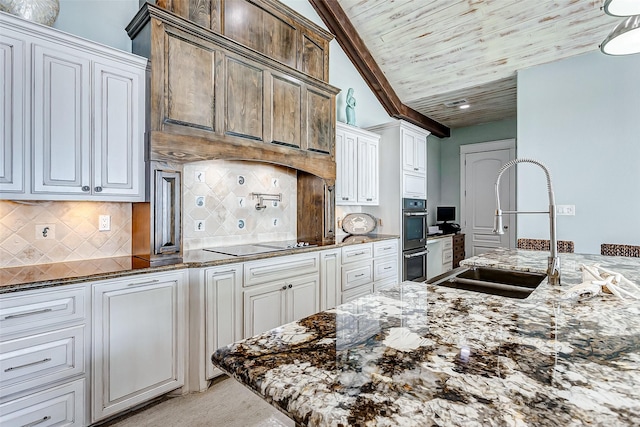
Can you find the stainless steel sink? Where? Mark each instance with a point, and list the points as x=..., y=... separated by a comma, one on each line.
x=507, y=283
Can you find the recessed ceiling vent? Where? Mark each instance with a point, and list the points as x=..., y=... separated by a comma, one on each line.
x=456, y=103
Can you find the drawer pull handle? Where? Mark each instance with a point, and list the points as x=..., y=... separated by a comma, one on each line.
x=387, y=248
x=415, y=169
x=26, y=365
x=360, y=275
x=29, y=313
x=356, y=253
x=150, y=282
x=388, y=268
x=368, y=200
x=223, y=272
x=35, y=423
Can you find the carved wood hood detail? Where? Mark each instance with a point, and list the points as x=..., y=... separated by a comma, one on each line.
x=213, y=98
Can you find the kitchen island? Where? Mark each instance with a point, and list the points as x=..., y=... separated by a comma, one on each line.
x=422, y=355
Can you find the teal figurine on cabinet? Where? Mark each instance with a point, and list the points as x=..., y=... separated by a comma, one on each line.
x=351, y=108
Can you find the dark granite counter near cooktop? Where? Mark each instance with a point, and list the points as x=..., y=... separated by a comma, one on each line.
x=421, y=355
x=14, y=279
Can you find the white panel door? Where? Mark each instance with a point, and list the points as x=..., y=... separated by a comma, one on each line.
x=118, y=148
x=367, y=171
x=346, y=168
x=223, y=315
x=12, y=118
x=139, y=329
x=414, y=152
x=61, y=121
x=480, y=173
x=329, y=279
x=264, y=308
x=303, y=297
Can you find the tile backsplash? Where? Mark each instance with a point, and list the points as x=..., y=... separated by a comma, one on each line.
x=219, y=210
x=72, y=233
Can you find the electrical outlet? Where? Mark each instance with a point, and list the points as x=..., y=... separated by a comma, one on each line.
x=565, y=209
x=45, y=231
x=104, y=222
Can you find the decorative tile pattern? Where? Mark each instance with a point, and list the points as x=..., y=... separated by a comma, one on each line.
x=228, y=210
x=564, y=246
x=76, y=232
x=620, y=250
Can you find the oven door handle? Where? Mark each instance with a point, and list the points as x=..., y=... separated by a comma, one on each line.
x=416, y=213
x=417, y=254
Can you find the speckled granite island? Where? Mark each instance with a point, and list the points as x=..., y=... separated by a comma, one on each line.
x=419, y=355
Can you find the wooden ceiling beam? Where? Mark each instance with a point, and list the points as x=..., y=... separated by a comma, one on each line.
x=339, y=24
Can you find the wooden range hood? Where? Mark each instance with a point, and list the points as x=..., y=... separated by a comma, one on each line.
x=213, y=97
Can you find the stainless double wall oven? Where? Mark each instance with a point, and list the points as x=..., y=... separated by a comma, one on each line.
x=414, y=239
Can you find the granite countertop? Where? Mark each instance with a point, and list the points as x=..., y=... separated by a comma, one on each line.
x=418, y=355
x=14, y=279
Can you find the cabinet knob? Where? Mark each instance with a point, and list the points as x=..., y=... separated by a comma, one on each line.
x=86, y=188
x=284, y=287
x=290, y=286
x=98, y=189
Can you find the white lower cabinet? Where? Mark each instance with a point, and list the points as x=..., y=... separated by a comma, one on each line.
x=368, y=267
x=330, y=278
x=44, y=357
x=223, y=313
x=440, y=256
x=57, y=406
x=280, y=290
x=275, y=303
x=139, y=340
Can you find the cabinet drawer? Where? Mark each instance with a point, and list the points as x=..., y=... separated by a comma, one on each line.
x=447, y=243
x=383, y=268
x=384, y=284
x=385, y=248
x=32, y=310
x=58, y=406
x=357, y=253
x=357, y=274
x=40, y=359
x=447, y=256
x=357, y=292
x=279, y=268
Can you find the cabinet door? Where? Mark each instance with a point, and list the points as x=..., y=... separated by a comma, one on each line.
x=139, y=329
x=414, y=152
x=329, y=279
x=414, y=185
x=61, y=121
x=189, y=81
x=264, y=308
x=346, y=168
x=303, y=297
x=434, y=258
x=118, y=108
x=367, y=171
x=286, y=110
x=12, y=117
x=244, y=99
x=320, y=118
x=223, y=314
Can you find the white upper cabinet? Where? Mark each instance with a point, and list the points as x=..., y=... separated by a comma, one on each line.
x=80, y=134
x=357, y=181
x=12, y=97
x=414, y=151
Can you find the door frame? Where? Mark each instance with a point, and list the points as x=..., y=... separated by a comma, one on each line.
x=480, y=147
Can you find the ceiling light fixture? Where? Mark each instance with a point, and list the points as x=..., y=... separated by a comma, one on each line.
x=624, y=39
x=621, y=7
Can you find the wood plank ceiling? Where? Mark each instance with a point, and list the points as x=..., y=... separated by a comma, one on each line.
x=437, y=51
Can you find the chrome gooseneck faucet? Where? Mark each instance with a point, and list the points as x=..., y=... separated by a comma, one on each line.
x=553, y=264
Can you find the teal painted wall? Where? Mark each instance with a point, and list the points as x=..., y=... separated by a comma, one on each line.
x=449, y=159
x=581, y=117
